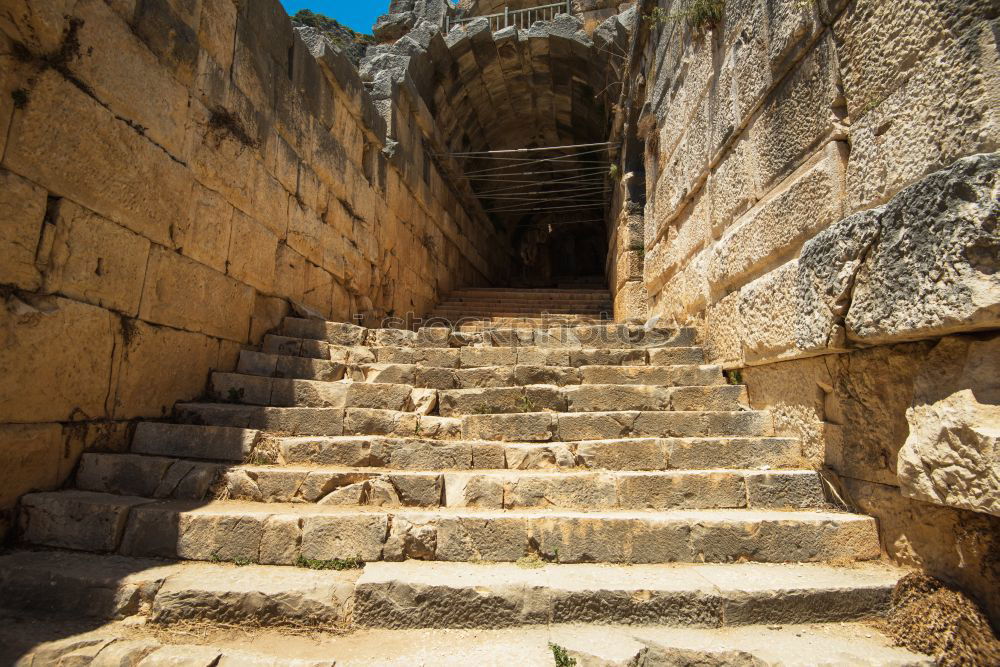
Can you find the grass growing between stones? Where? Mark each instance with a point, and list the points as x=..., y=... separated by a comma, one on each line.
x=561, y=656
x=530, y=562
x=333, y=564
x=699, y=15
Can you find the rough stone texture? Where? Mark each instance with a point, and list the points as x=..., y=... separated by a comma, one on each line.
x=33, y=452
x=933, y=267
x=952, y=453
x=67, y=383
x=22, y=209
x=853, y=412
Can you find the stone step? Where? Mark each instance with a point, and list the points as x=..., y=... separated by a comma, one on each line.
x=691, y=602
x=158, y=477
x=320, y=421
x=111, y=586
x=528, y=293
x=570, y=335
x=287, y=393
x=475, y=376
x=528, y=298
x=282, y=534
x=565, y=427
x=636, y=454
x=503, y=595
x=190, y=441
x=409, y=453
x=458, y=312
x=522, y=427
x=845, y=643
x=554, y=307
x=588, y=398
x=474, y=357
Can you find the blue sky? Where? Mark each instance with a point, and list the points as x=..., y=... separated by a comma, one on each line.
x=359, y=15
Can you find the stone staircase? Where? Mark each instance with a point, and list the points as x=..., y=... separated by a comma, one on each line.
x=501, y=478
x=474, y=309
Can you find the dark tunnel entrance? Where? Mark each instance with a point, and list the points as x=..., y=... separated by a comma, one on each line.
x=526, y=115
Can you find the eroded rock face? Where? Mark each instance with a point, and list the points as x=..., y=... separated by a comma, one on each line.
x=952, y=454
x=924, y=264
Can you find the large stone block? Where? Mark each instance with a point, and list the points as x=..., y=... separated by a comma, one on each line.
x=217, y=30
x=96, y=261
x=204, y=236
x=151, y=380
x=803, y=110
x=31, y=454
x=940, y=106
x=733, y=184
x=76, y=519
x=808, y=201
x=22, y=210
x=182, y=293
x=933, y=268
x=252, y=253
x=129, y=79
x=41, y=28
x=724, y=332
x=952, y=453
x=58, y=360
x=97, y=160
x=768, y=310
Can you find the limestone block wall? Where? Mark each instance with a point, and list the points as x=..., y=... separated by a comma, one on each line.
x=174, y=177
x=822, y=192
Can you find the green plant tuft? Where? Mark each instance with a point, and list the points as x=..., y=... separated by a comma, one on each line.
x=734, y=377
x=333, y=564
x=699, y=15
x=242, y=561
x=561, y=656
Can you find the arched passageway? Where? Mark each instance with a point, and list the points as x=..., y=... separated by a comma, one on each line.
x=526, y=115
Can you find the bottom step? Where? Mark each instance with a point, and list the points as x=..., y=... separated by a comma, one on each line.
x=417, y=594
x=589, y=646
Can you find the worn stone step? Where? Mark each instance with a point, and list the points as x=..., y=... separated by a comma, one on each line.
x=476, y=357
x=843, y=643
x=459, y=313
x=505, y=375
x=521, y=427
x=565, y=427
x=569, y=335
x=157, y=477
x=279, y=534
x=221, y=443
x=587, y=398
x=530, y=299
x=502, y=595
x=289, y=366
x=638, y=454
x=677, y=612
x=554, y=307
x=527, y=293
x=320, y=421
x=288, y=392
x=110, y=586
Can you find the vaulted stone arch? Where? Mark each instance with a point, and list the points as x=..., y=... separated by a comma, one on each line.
x=553, y=84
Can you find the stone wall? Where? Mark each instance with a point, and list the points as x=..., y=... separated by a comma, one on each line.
x=822, y=195
x=175, y=176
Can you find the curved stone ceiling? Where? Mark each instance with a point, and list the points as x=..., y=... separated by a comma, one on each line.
x=550, y=85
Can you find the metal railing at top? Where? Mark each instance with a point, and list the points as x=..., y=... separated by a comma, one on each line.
x=522, y=18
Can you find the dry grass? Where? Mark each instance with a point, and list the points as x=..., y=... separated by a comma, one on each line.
x=929, y=617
